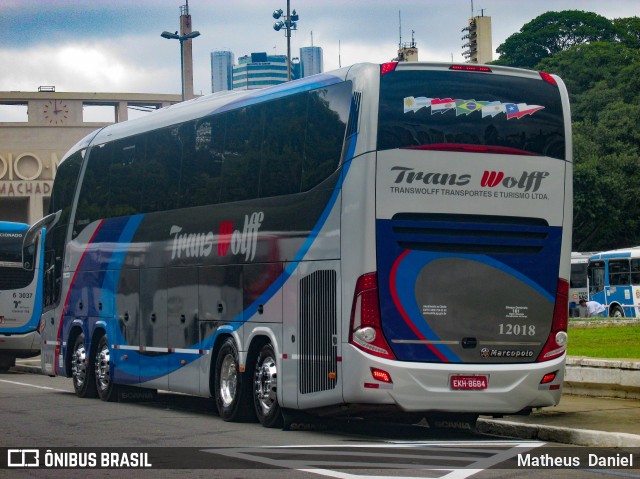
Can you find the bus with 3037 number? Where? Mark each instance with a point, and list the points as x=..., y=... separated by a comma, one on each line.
x=20, y=294
x=389, y=240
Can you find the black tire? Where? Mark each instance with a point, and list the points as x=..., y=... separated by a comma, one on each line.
x=232, y=389
x=265, y=388
x=616, y=312
x=107, y=390
x=6, y=363
x=82, y=375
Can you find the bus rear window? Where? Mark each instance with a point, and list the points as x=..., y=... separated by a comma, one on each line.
x=459, y=111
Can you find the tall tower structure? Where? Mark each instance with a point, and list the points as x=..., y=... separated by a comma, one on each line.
x=187, y=51
x=222, y=70
x=310, y=61
x=479, y=48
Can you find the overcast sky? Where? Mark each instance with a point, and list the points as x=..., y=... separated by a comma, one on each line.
x=115, y=45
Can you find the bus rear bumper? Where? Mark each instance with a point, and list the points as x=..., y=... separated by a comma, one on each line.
x=20, y=345
x=418, y=387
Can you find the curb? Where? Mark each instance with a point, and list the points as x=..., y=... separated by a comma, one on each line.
x=578, y=437
x=602, y=377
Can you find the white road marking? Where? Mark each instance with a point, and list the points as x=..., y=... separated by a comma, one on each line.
x=33, y=386
x=438, y=457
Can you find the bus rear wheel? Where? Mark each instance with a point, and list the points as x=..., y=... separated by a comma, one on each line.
x=107, y=390
x=6, y=363
x=616, y=312
x=231, y=389
x=84, y=381
x=265, y=388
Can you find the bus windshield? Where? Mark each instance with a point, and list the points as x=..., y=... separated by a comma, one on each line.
x=443, y=110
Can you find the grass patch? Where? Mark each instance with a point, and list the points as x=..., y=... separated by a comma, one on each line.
x=615, y=342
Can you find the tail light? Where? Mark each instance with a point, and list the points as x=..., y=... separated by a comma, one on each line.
x=388, y=67
x=548, y=78
x=365, y=331
x=556, y=344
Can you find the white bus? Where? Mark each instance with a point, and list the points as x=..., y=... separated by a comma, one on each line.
x=578, y=284
x=614, y=281
x=20, y=294
x=388, y=239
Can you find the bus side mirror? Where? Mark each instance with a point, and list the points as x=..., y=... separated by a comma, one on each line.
x=32, y=235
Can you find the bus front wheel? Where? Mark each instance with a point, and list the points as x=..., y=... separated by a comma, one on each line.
x=84, y=382
x=231, y=388
x=265, y=388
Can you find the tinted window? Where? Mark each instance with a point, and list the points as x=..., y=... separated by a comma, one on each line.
x=326, y=124
x=578, y=275
x=62, y=196
x=279, y=147
x=161, y=186
x=436, y=108
x=242, y=152
x=125, y=173
x=283, y=146
x=202, y=170
x=93, y=203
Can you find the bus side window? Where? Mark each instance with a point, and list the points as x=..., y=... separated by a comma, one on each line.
x=635, y=272
x=619, y=272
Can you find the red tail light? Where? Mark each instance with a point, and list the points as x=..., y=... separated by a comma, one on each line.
x=365, y=331
x=556, y=344
x=548, y=78
x=388, y=67
x=470, y=68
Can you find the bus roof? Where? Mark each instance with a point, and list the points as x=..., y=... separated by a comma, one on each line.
x=633, y=252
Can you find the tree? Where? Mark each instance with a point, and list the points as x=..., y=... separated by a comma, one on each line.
x=628, y=31
x=551, y=33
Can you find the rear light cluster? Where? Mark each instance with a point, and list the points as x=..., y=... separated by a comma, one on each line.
x=365, y=331
x=556, y=344
x=548, y=78
x=470, y=68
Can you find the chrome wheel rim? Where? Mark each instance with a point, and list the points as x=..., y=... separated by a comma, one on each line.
x=228, y=380
x=266, y=385
x=103, y=375
x=79, y=365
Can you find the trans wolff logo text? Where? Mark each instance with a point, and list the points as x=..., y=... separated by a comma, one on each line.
x=200, y=245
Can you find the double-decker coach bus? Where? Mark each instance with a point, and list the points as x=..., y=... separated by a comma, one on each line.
x=20, y=294
x=389, y=238
x=614, y=281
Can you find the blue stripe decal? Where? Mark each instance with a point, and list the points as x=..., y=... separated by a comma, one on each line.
x=13, y=227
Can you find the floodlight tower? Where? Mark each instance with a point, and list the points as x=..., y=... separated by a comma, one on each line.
x=186, y=57
x=288, y=23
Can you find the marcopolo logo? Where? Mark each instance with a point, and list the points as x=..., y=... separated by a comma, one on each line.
x=200, y=245
x=527, y=181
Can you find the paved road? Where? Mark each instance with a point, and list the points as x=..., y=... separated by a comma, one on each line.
x=184, y=432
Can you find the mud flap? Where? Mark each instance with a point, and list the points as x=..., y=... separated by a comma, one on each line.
x=135, y=394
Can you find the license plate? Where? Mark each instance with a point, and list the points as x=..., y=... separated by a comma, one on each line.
x=469, y=382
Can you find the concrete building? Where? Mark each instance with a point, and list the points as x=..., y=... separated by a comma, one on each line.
x=310, y=61
x=479, y=47
x=259, y=70
x=47, y=124
x=222, y=62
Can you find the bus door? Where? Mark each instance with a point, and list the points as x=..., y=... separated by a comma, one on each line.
x=596, y=273
x=618, y=294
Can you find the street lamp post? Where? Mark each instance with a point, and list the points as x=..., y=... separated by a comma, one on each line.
x=288, y=24
x=181, y=39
